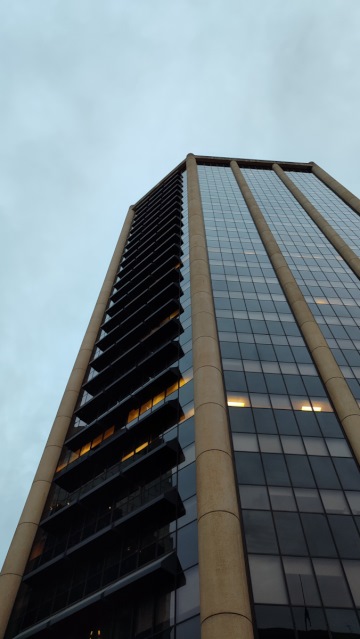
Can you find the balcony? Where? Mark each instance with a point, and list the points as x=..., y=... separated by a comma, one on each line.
x=140, y=464
x=134, y=393
x=131, y=377
x=157, y=502
x=148, y=242
x=119, y=301
x=172, y=291
x=166, y=331
x=84, y=467
x=142, y=329
x=50, y=621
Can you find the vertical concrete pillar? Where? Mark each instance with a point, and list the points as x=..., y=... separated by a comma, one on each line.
x=21, y=544
x=349, y=198
x=348, y=255
x=345, y=405
x=224, y=597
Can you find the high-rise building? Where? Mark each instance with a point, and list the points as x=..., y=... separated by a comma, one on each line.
x=202, y=470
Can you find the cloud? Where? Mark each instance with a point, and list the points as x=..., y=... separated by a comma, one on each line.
x=98, y=102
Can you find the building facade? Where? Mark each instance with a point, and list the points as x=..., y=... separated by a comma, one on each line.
x=202, y=474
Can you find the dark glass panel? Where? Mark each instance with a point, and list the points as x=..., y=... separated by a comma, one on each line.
x=275, y=470
x=324, y=472
x=274, y=622
x=256, y=382
x=189, y=628
x=307, y=424
x=300, y=471
x=348, y=473
x=187, y=546
x=259, y=532
x=346, y=536
x=234, y=381
x=329, y=425
x=343, y=623
x=249, y=468
x=310, y=623
x=241, y=420
x=264, y=420
x=275, y=384
x=318, y=535
x=290, y=534
x=286, y=422
x=187, y=481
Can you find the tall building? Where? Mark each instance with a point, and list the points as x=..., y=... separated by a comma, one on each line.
x=202, y=470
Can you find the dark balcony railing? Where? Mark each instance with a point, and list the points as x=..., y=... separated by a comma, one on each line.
x=142, y=329
x=158, y=499
x=105, y=448
x=135, y=465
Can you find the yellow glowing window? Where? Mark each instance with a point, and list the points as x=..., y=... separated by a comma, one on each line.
x=158, y=398
x=141, y=447
x=85, y=448
x=172, y=388
x=133, y=414
x=109, y=431
x=146, y=406
x=238, y=401
x=127, y=456
x=97, y=441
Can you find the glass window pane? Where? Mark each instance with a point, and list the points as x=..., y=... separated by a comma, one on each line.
x=269, y=444
x=255, y=497
x=249, y=468
x=318, y=535
x=300, y=471
x=354, y=500
x=245, y=442
x=315, y=446
x=290, y=535
x=346, y=536
x=352, y=570
x=187, y=597
x=282, y=498
x=334, y=501
x=308, y=500
x=301, y=582
x=292, y=445
x=331, y=583
x=275, y=469
x=259, y=531
x=267, y=580
x=338, y=447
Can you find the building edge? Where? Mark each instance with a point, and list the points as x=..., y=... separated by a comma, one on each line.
x=349, y=198
x=21, y=544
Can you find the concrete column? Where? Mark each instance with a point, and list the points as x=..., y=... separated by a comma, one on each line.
x=348, y=255
x=20, y=547
x=224, y=597
x=349, y=198
x=339, y=392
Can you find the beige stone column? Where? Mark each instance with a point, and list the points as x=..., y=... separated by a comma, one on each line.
x=224, y=596
x=339, y=392
x=348, y=255
x=21, y=544
x=349, y=198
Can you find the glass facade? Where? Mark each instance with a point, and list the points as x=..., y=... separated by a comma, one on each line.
x=295, y=470
x=116, y=553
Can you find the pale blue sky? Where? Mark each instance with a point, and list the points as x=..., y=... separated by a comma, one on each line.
x=98, y=101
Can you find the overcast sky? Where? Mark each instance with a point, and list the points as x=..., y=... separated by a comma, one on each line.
x=98, y=101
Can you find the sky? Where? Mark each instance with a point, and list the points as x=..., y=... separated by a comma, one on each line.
x=98, y=102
